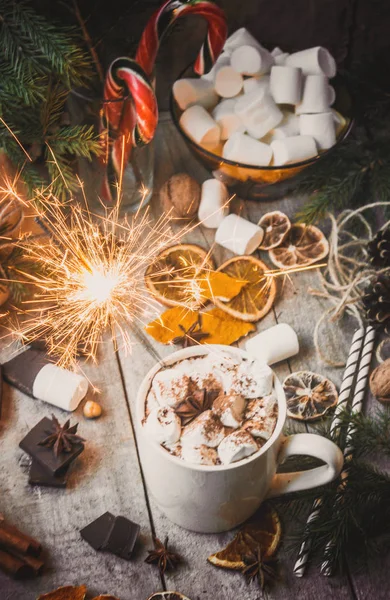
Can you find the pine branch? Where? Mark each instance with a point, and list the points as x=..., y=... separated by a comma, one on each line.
x=79, y=140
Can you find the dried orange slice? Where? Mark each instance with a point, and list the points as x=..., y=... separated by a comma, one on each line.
x=275, y=226
x=169, y=276
x=256, y=298
x=264, y=531
x=309, y=395
x=303, y=245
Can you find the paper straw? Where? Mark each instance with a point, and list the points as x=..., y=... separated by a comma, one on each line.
x=344, y=395
x=357, y=404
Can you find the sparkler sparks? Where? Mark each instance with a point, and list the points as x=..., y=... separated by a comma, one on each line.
x=91, y=280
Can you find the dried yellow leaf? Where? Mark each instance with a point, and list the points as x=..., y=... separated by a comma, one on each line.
x=219, y=285
x=223, y=328
x=167, y=325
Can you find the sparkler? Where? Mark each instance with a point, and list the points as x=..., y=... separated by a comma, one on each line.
x=91, y=277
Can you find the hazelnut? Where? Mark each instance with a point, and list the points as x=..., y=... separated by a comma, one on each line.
x=92, y=410
x=180, y=196
x=380, y=382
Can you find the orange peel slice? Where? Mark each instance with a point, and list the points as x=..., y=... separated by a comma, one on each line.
x=275, y=225
x=258, y=294
x=265, y=530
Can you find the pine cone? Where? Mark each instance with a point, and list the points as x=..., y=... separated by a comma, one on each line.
x=379, y=248
x=376, y=302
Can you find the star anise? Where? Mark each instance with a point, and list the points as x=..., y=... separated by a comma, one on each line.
x=62, y=438
x=195, y=404
x=191, y=336
x=257, y=568
x=162, y=556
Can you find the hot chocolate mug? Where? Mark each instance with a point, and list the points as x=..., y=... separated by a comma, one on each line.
x=211, y=499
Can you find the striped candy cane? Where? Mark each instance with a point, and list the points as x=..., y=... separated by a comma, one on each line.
x=130, y=116
x=161, y=21
x=344, y=395
x=357, y=405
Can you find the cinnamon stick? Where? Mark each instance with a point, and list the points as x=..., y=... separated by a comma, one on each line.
x=35, y=563
x=14, y=566
x=12, y=538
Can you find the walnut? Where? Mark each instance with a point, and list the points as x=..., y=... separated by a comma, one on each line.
x=380, y=382
x=180, y=196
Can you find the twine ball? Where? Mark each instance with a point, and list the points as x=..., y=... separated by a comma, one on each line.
x=180, y=196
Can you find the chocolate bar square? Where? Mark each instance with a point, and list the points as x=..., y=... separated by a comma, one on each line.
x=38, y=475
x=97, y=532
x=46, y=456
x=122, y=538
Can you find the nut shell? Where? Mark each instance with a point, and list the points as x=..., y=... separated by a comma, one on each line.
x=380, y=382
x=92, y=410
x=180, y=196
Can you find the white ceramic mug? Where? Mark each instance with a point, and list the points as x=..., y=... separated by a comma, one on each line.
x=211, y=499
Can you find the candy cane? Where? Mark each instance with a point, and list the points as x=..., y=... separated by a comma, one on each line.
x=166, y=15
x=130, y=116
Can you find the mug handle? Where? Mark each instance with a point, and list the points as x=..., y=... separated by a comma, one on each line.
x=307, y=444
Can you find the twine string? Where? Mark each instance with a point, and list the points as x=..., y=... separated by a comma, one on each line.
x=347, y=274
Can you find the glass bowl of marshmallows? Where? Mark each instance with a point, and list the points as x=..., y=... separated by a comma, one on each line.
x=258, y=118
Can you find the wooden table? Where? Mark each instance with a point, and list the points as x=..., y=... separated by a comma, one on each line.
x=108, y=477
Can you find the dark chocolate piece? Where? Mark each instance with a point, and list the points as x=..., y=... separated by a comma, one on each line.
x=97, y=532
x=122, y=538
x=45, y=456
x=22, y=370
x=40, y=476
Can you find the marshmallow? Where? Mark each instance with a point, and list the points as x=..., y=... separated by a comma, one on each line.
x=222, y=61
x=242, y=148
x=332, y=95
x=230, y=409
x=200, y=126
x=241, y=37
x=248, y=60
x=276, y=51
x=188, y=92
x=251, y=380
x=258, y=112
x=199, y=455
x=261, y=407
x=293, y=149
x=236, y=446
x=227, y=119
x=317, y=95
x=59, y=387
x=164, y=425
x=280, y=59
x=274, y=344
x=228, y=82
x=313, y=61
x=321, y=127
x=205, y=430
x=239, y=235
x=213, y=207
x=287, y=128
x=286, y=84
x=32, y=372
x=170, y=387
x=256, y=83
x=260, y=427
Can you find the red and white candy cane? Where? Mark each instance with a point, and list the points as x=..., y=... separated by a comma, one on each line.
x=166, y=15
x=130, y=115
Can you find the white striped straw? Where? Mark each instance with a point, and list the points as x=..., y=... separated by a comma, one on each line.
x=357, y=404
x=344, y=395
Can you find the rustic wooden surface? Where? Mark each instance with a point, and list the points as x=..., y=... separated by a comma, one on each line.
x=108, y=475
